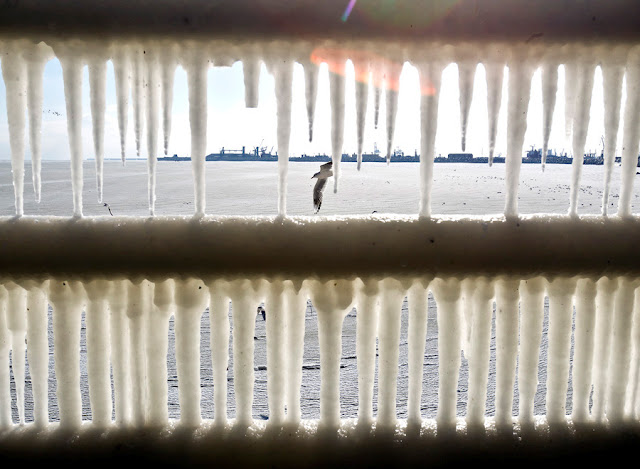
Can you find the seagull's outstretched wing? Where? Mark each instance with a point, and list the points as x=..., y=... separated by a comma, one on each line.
x=317, y=193
x=326, y=166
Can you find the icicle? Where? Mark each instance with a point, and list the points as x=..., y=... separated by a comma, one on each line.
x=118, y=301
x=619, y=357
x=197, y=78
x=251, y=69
x=560, y=318
x=482, y=304
x=549, y=78
x=36, y=57
x=447, y=295
x=391, y=101
x=332, y=300
x=507, y=296
x=295, y=306
x=631, y=134
x=284, y=79
x=98, y=351
x=153, y=84
x=606, y=288
x=191, y=298
x=520, y=73
x=72, y=76
x=583, y=349
x=336, y=89
x=5, y=345
x=417, y=335
x=466, y=77
x=310, y=92
x=157, y=347
x=467, y=286
x=366, y=333
x=362, y=97
x=570, y=79
x=532, y=314
x=495, y=75
x=612, y=74
x=97, y=86
x=138, y=306
x=14, y=74
x=67, y=298
x=138, y=94
x=167, y=74
x=17, y=325
x=430, y=77
x=122, y=72
x=582, y=108
x=219, y=327
x=389, y=350
x=632, y=410
x=377, y=91
x=276, y=353
x=38, y=351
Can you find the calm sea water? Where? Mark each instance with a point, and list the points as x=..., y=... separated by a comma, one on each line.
x=250, y=188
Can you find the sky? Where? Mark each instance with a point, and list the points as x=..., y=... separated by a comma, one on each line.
x=232, y=126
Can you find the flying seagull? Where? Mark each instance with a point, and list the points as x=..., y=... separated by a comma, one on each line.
x=109, y=207
x=322, y=175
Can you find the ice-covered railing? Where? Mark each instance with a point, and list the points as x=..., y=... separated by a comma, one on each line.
x=130, y=275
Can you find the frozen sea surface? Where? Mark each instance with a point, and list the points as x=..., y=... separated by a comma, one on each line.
x=250, y=188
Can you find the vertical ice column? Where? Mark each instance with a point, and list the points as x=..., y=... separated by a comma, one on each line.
x=153, y=84
x=295, y=306
x=467, y=288
x=14, y=74
x=612, y=73
x=391, y=102
x=482, y=303
x=389, y=351
x=570, y=79
x=310, y=92
x=67, y=298
x=561, y=292
x=17, y=325
x=417, y=335
x=430, y=77
x=71, y=62
x=167, y=74
x=283, y=74
x=118, y=301
x=276, y=352
x=38, y=351
x=531, y=314
x=466, y=76
x=580, y=127
x=157, y=347
x=138, y=305
x=251, y=72
x=332, y=300
x=507, y=297
x=447, y=295
x=99, y=351
x=36, y=57
x=244, y=303
x=631, y=134
x=138, y=93
x=632, y=409
x=495, y=76
x=583, y=349
x=197, y=67
x=367, y=304
x=606, y=288
x=5, y=345
x=336, y=90
x=549, y=79
x=377, y=92
x=191, y=297
x=219, y=327
x=362, y=98
x=620, y=354
x=520, y=72
x=97, y=87
x=122, y=71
